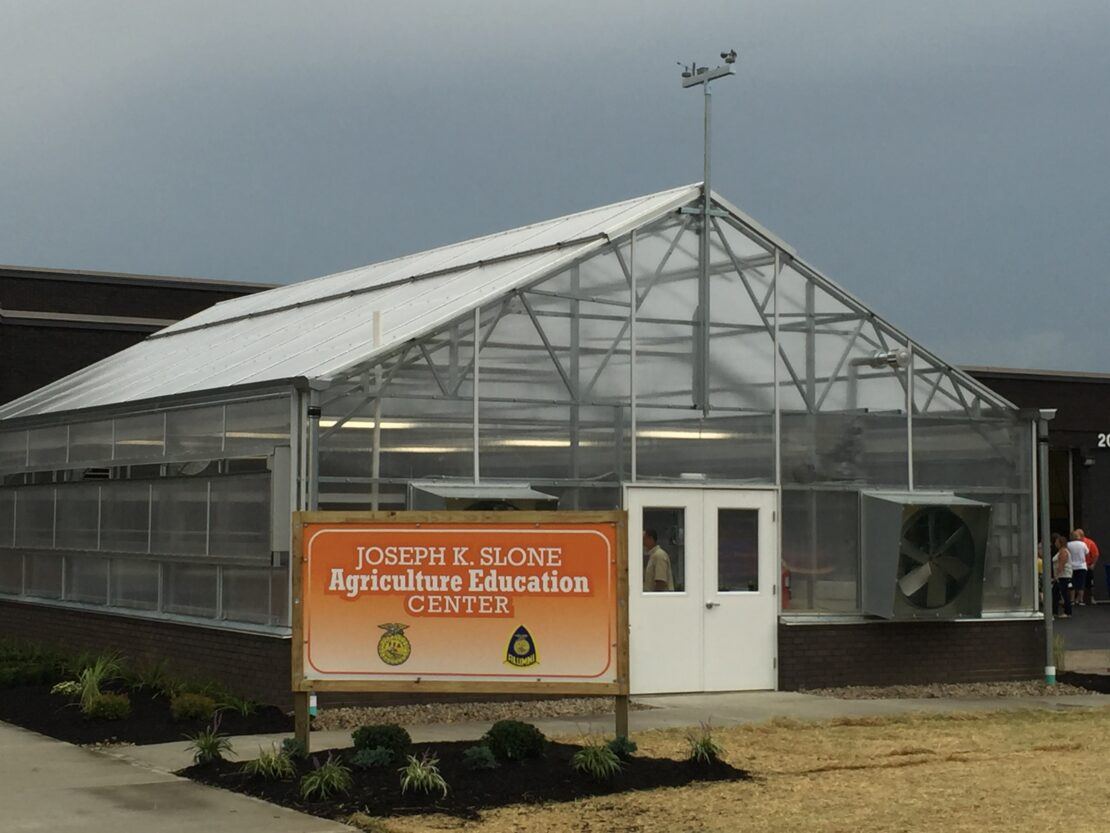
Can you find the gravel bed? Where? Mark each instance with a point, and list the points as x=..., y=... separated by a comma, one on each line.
x=352, y=717
x=1021, y=688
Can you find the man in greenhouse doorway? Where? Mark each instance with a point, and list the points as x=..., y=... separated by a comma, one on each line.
x=658, y=577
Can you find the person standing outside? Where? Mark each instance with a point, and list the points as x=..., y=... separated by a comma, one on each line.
x=1077, y=559
x=658, y=577
x=1061, y=584
x=1092, y=560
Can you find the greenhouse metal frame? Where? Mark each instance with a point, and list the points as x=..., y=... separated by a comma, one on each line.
x=639, y=342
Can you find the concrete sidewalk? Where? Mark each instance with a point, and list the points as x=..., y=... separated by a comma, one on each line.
x=666, y=712
x=49, y=785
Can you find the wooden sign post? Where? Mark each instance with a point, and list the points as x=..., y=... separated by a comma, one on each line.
x=460, y=602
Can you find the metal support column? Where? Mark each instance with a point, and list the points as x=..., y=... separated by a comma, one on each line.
x=1046, y=542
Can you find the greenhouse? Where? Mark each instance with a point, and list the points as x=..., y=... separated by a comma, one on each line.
x=658, y=355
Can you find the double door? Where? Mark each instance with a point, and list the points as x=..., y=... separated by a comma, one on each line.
x=705, y=618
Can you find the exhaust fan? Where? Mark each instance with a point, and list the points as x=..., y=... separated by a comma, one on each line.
x=923, y=554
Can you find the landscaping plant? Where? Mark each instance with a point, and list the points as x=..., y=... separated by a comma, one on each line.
x=388, y=735
x=512, y=740
x=379, y=756
x=154, y=678
x=479, y=757
x=422, y=775
x=327, y=779
x=97, y=672
x=703, y=749
x=294, y=748
x=242, y=706
x=622, y=747
x=208, y=745
x=597, y=761
x=189, y=706
x=272, y=765
x=108, y=706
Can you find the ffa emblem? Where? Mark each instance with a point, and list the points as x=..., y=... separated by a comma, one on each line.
x=393, y=646
x=522, y=649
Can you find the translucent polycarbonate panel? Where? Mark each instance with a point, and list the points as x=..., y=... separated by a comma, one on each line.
x=7, y=517
x=858, y=448
x=515, y=362
x=179, y=517
x=968, y=452
x=240, y=517
x=13, y=450
x=195, y=431
x=90, y=441
x=279, y=596
x=11, y=572
x=140, y=437
x=189, y=589
x=43, y=576
x=78, y=516
x=246, y=594
x=672, y=444
x=521, y=441
x=47, y=446
x=256, y=425
x=124, y=516
x=34, y=517
x=134, y=584
x=1009, y=581
x=87, y=579
x=820, y=550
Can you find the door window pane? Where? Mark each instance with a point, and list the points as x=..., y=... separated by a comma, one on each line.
x=664, y=549
x=737, y=550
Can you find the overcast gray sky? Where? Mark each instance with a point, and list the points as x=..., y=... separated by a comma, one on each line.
x=946, y=161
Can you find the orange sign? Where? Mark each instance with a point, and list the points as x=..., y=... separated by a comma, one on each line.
x=496, y=601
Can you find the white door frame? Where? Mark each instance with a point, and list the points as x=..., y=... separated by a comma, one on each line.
x=710, y=486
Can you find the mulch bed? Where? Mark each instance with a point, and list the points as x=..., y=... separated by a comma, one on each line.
x=35, y=708
x=1092, y=682
x=539, y=780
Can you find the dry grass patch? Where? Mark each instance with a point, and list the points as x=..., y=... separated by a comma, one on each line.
x=968, y=773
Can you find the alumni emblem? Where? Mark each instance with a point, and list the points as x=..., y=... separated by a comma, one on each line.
x=522, y=649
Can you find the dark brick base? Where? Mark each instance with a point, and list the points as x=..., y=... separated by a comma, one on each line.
x=250, y=664
x=894, y=653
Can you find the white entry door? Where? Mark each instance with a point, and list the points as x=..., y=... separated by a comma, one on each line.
x=715, y=629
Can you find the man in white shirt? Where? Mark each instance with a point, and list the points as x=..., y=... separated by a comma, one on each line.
x=1077, y=558
x=658, y=577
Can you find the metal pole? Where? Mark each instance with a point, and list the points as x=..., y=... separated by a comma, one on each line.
x=376, y=453
x=633, y=299
x=314, y=451
x=477, y=345
x=703, y=277
x=909, y=415
x=1046, y=542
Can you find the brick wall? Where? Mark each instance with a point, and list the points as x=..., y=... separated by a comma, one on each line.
x=250, y=664
x=889, y=653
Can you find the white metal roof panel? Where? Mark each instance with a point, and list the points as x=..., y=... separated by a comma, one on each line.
x=319, y=327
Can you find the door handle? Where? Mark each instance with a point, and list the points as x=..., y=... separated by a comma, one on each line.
x=711, y=605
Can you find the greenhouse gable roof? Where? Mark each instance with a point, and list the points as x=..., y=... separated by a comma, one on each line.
x=318, y=327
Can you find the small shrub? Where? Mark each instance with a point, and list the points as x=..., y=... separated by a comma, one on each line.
x=328, y=779
x=512, y=740
x=622, y=747
x=208, y=745
x=94, y=674
x=421, y=775
x=153, y=677
x=69, y=688
x=294, y=748
x=388, y=735
x=271, y=765
x=597, y=761
x=703, y=749
x=379, y=756
x=479, y=757
x=189, y=706
x=242, y=706
x=107, y=706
